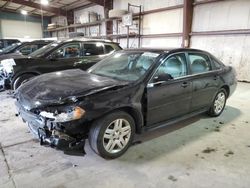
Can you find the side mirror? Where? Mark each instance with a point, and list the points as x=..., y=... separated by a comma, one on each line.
x=163, y=77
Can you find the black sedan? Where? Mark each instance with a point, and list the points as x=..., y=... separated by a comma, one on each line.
x=130, y=92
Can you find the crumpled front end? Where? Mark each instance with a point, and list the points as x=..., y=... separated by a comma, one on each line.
x=6, y=72
x=64, y=136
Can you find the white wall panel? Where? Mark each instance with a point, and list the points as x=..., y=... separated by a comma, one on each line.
x=163, y=22
x=231, y=50
x=146, y=4
x=226, y=15
x=168, y=42
x=20, y=29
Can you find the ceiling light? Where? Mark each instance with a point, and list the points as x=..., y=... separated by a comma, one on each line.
x=44, y=2
x=24, y=12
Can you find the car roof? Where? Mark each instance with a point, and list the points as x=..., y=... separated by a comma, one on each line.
x=163, y=50
x=83, y=39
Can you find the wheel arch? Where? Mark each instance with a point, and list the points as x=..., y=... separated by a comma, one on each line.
x=226, y=87
x=21, y=74
x=136, y=115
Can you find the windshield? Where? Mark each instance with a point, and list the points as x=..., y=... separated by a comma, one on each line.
x=45, y=49
x=11, y=47
x=127, y=66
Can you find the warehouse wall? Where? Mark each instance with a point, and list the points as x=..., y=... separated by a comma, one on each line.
x=231, y=49
x=157, y=23
x=10, y=21
x=9, y=29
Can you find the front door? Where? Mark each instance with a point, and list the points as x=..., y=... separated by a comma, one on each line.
x=67, y=56
x=169, y=91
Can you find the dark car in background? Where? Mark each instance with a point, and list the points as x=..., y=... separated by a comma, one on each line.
x=61, y=55
x=7, y=42
x=130, y=92
x=22, y=48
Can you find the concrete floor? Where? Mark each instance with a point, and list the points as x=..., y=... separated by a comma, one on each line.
x=200, y=152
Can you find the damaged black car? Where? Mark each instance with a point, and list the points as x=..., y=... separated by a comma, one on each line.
x=128, y=93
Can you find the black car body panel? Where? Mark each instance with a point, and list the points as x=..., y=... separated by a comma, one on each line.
x=150, y=104
x=11, y=55
x=70, y=83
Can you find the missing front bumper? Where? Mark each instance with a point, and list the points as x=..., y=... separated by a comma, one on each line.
x=50, y=136
x=61, y=141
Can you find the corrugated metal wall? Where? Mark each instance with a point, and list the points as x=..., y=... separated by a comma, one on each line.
x=231, y=49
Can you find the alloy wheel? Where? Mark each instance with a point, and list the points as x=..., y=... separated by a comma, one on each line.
x=219, y=102
x=117, y=135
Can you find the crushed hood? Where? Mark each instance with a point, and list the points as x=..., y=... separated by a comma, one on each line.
x=59, y=87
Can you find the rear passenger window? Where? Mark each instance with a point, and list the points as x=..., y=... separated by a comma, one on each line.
x=217, y=65
x=109, y=48
x=199, y=63
x=93, y=49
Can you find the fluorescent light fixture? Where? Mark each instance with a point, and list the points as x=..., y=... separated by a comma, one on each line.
x=44, y=2
x=24, y=12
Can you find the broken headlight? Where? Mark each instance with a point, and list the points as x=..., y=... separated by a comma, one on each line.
x=7, y=65
x=74, y=114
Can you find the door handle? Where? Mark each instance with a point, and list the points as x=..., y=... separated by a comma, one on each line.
x=184, y=84
x=159, y=83
x=215, y=77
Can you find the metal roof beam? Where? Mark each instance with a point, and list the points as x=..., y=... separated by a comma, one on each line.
x=54, y=10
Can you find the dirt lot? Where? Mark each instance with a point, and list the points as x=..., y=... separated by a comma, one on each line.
x=199, y=152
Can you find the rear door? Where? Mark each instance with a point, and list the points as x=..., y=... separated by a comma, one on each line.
x=205, y=80
x=170, y=98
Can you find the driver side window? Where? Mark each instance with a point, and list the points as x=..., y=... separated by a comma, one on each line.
x=71, y=50
x=173, y=67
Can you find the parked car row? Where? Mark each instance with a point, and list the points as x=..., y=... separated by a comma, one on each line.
x=59, y=55
x=17, y=49
x=127, y=92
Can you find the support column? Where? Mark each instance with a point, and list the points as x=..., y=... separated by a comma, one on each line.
x=70, y=19
x=108, y=5
x=187, y=22
x=1, y=35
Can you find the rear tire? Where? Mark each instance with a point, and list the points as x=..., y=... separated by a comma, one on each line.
x=111, y=136
x=218, y=104
x=20, y=80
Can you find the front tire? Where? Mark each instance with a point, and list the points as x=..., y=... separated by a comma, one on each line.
x=20, y=80
x=111, y=136
x=218, y=104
